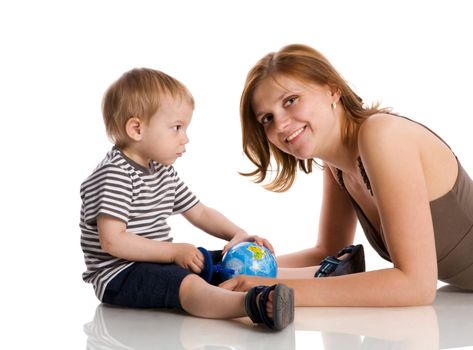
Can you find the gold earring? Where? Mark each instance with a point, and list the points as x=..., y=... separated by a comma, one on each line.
x=334, y=105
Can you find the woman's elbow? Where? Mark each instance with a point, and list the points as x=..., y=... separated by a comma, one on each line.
x=426, y=296
x=423, y=293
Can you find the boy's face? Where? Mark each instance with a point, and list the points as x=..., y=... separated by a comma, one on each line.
x=164, y=138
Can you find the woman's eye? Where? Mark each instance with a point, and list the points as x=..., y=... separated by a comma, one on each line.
x=290, y=101
x=176, y=127
x=266, y=119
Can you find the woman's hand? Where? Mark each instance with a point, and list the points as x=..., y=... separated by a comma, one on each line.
x=242, y=283
x=245, y=237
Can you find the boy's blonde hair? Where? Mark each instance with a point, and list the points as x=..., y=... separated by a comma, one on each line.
x=137, y=93
x=306, y=64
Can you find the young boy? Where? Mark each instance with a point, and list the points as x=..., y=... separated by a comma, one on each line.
x=130, y=258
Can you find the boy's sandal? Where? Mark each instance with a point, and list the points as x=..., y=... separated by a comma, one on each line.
x=283, y=305
x=354, y=263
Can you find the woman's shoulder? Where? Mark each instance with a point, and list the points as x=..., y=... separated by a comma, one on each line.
x=385, y=127
x=379, y=121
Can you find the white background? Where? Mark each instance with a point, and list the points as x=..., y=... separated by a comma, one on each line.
x=58, y=57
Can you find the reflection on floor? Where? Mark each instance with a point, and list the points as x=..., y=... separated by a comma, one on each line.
x=447, y=324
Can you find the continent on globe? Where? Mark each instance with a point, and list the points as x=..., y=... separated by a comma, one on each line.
x=257, y=252
x=248, y=258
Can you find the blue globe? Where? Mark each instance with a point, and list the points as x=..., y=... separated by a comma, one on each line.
x=249, y=258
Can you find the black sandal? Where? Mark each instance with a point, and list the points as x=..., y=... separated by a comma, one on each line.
x=283, y=305
x=332, y=266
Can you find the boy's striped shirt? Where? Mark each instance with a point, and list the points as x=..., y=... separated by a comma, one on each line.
x=141, y=197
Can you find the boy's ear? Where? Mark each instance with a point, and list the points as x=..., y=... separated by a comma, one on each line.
x=133, y=128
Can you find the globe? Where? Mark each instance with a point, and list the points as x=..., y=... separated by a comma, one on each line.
x=247, y=258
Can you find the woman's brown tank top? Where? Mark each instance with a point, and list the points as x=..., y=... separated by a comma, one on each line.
x=452, y=216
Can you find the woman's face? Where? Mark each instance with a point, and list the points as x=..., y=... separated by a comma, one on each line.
x=297, y=116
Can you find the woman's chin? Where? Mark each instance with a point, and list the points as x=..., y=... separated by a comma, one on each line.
x=303, y=156
x=300, y=154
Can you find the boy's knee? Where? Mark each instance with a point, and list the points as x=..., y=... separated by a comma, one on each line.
x=188, y=284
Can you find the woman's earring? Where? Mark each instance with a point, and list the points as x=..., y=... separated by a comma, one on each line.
x=334, y=105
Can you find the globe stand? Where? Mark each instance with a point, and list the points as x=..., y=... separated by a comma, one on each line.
x=210, y=269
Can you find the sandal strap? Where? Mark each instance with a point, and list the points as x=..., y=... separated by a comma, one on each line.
x=256, y=309
x=283, y=305
x=327, y=266
x=330, y=264
x=345, y=250
x=263, y=299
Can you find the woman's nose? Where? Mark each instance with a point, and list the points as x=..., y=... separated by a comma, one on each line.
x=282, y=122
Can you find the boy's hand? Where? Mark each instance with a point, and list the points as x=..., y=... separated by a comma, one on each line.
x=188, y=256
x=244, y=237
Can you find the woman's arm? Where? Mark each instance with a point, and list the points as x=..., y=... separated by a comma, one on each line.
x=390, y=148
x=337, y=226
x=391, y=155
x=392, y=160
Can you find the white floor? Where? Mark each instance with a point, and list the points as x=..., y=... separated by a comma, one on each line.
x=447, y=324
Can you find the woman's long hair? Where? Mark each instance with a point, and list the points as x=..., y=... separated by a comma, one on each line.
x=306, y=64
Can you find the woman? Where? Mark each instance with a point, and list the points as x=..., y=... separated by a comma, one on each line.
x=413, y=199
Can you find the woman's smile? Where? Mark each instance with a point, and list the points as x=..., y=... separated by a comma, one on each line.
x=295, y=135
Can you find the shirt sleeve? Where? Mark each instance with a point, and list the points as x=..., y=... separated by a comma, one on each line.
x=108, y=190
x=184, y=198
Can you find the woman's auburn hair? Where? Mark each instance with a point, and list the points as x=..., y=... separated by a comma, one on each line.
x=306, y=64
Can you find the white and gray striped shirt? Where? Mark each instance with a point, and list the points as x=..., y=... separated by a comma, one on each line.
x=142, y=197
